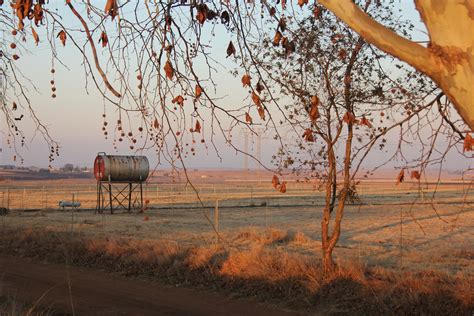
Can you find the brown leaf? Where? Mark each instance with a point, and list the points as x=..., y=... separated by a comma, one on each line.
x=156, y=124
x=62, y=37
x=198, y=91
x=246, y=80
x=202, y=13
x=104, y=39
x=256, y=99
x=342, y=54
x=365, y=121
x=259, y=87
x=301, y=3
x=277, y=38
x=14, y=106
x=248, y=118
x=468, y=143
x=308, y=135
x=349, y=118
x=230, y=49
x=275, y=182
x=38, y=13
x=35, y=36
x=272, y=11
x=179, y=100
x=314, y=111
x=197, y=127
x=283, y=187
x=169, y=70
x=415, y=175
x=401, y=176
x=316, y=12
x=111, y=8
x=282, y=24
x=261, y=112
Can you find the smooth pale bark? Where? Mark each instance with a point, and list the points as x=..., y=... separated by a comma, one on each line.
x=448, y=59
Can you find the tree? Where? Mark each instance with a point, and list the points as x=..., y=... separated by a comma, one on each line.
x=345, y=97
x=448, y=58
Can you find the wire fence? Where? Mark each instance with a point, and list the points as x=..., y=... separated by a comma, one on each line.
x=230, y=194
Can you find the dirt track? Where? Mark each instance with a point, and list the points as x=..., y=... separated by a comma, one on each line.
x=98, y=293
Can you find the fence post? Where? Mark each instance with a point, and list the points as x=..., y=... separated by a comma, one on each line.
x=216, y=221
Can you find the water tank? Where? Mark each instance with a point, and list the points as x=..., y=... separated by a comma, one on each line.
x=117, y=168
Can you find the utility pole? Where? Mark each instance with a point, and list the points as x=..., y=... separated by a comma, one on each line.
x=245, y=132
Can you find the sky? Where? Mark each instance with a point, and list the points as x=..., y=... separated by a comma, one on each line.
x=74, y=117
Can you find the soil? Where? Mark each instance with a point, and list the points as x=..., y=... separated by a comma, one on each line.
x=81, y=291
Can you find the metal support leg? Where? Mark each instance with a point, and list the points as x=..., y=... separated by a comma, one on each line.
x=129, y=197
x=110, y=199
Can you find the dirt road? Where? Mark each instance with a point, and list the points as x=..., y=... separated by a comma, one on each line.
x=98, y=293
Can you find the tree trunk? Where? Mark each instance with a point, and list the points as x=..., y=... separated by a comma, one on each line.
x=449, y=57
x=328, y=263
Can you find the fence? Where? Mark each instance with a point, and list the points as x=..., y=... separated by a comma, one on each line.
x=230, y=194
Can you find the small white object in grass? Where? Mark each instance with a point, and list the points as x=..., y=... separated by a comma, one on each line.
x=64, y=204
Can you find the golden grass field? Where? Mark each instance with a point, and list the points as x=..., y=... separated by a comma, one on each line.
x=414, y=249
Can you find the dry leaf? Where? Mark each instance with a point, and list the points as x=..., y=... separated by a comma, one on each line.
x=272, y=11
x=401, y=176
x=365, y=121
x=35, y=36
x=230, y=49
x=261, y=112
x=415, y=175
x=349, y=118
x=179, y=100
x=468, y=143
x=308, y=135
x=156, y=124
x=248, y=118
x=225, y=18
x=38, y=13
x=275, y=182
x=246, y=80
x=259, y=87
x=342, y=54
x=202, y=13
x=169, y=70
x=282, y=24
x=197, y=127
x=314, y=111
x=256, y=99
x=62, y=36
x=301, y=3
x=277, y=38
x=198, y=91
x=111, y=8
x=14, y=106
x=283, y=187
x=104, y=39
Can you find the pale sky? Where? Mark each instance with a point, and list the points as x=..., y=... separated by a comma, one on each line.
x=74, y=118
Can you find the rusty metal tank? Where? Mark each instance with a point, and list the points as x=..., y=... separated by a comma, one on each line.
x=117, y=168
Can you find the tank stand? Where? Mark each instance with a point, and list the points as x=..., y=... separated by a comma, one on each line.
x=119, y=195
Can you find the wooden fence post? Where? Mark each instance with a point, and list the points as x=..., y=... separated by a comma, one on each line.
x=216, y=221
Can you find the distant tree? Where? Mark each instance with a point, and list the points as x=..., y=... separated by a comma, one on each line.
x=68, y=167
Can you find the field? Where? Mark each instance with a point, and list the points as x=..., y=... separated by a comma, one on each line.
x=239, y=236
x=399, y=227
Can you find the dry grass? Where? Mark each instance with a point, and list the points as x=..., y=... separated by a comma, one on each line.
x=260, y=270
x=10, y=306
